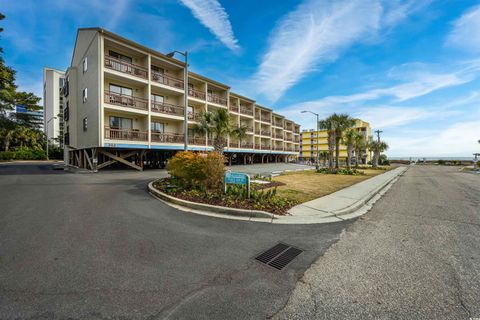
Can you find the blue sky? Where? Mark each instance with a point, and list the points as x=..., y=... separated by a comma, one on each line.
x=411, y=68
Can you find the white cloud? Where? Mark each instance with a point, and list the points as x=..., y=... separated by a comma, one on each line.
x=457, y=140
x=387, y=117
x=213, y=16
x=315, y=32
x=466, y=31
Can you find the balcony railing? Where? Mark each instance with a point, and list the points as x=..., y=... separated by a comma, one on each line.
x=167, y=108
x=165, y=137
x=196, y=94
x=278, y=124
x=215, y=98
x=266, y=119
x=123, y=100
x=262, y=147
x=247, y=145
x=199, y=141
x=194, y=116
x=167, y=80
x=277, y=135
x=278, y=148
x=250, y=129
x=265, y=133
x=233, y=108
x=125, y=134
x=125, y=67
x=288, y=139
x=247, y=111
x=233, y=144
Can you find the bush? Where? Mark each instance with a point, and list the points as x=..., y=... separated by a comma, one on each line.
x=192, y=170
x=349, y=172
x=23, y=154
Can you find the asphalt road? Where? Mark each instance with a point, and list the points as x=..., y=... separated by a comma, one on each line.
x=415, y=255
x=98, y=246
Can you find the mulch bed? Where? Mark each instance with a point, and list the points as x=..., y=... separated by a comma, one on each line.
x=222, y=200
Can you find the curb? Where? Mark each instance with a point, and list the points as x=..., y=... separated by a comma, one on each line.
x=360, y=203
x=207, y=207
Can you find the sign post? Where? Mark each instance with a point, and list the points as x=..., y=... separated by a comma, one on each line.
x=237, y=178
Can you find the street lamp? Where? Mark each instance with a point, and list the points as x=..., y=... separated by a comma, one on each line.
x=46, y=133
x=185, y=102
x=318, y=133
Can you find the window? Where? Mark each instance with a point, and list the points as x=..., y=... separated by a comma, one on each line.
x=85, y=65
x=157, y=99
x=121, y=90
x=120, y=123
x=119, y=56
x=85, y=95
x=66, y=87
x=158, y=69
x=66, y=114
x=85, y=124
x=157, y=127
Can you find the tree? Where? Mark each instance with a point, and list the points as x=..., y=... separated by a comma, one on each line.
x=360, y=145
x=349, y=139
x=341, y=122
x=377, y=147
x=329, y=125
x=240, y=133
x=324, y=156
x=216, y=125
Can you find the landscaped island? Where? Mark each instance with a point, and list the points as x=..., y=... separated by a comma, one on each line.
x=199, y=177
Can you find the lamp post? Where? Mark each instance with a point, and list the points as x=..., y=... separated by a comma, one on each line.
x=185, y=101
x=46, y=133
x=318, y=133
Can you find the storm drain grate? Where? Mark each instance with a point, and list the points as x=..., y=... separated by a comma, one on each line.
x=278, y=256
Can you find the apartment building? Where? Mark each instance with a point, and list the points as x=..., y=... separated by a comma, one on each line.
x=124, y=104
x=311, y=139
x=53, y=81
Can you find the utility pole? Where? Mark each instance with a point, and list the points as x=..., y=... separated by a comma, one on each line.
x=378, y=134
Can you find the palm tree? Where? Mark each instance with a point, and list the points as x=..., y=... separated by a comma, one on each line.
x=22, y=136
x=216, y=125
x=329, y=125
x=377, y=147
x=240, y=133
x=349, y=139
x=324, y=156
x=360, y=145
x=341, y=123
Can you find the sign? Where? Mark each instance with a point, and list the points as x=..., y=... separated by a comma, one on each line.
x=237, y=178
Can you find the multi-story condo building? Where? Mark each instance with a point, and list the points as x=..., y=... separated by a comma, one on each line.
x=124, y=103
x=311, y=139
x=53, y=104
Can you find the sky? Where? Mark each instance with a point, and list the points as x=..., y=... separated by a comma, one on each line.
x=411, y=68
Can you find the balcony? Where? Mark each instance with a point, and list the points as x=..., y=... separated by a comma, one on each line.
x=278, y=124
x=199, y=141
x=125, y=67
x=288, y=139
x=277, y=135
x=125, y=134
x=167, y=108
x=278, y=148
x=194, y=116
x=265, y=119
x=265, y=133
x=122, y=100
x=246, y=111
x=216, y=99
x=233, y=108
x=249, y=129
x=247, y=145
x=262, y=147
x=167, y=80
x=164, y=137
x=196, y=94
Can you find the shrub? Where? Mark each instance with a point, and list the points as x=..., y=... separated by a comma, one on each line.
x=192, y=170
x=23, y=154
x=350, y=172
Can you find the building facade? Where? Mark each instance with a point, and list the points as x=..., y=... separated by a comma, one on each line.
x=53, y=82
x=311, y=139
x=124, y=103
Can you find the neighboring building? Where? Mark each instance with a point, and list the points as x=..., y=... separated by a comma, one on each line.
x=35, y=118
x=53, y=81
x=309, y=141
x=125, y=103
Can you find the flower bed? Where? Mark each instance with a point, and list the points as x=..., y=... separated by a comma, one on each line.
x=259, y=200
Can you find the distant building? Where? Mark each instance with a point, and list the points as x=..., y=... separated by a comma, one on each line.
x=309, y=140
x=35, y=117
x=53, y=81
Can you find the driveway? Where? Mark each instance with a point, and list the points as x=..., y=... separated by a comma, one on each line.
x=95, y=246
x=269, y=168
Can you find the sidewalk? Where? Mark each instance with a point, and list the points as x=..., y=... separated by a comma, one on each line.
x=341, y=205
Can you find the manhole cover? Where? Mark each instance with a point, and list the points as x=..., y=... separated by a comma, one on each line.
x=278, y=256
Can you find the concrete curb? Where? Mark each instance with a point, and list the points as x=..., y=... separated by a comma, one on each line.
x=207, y=207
